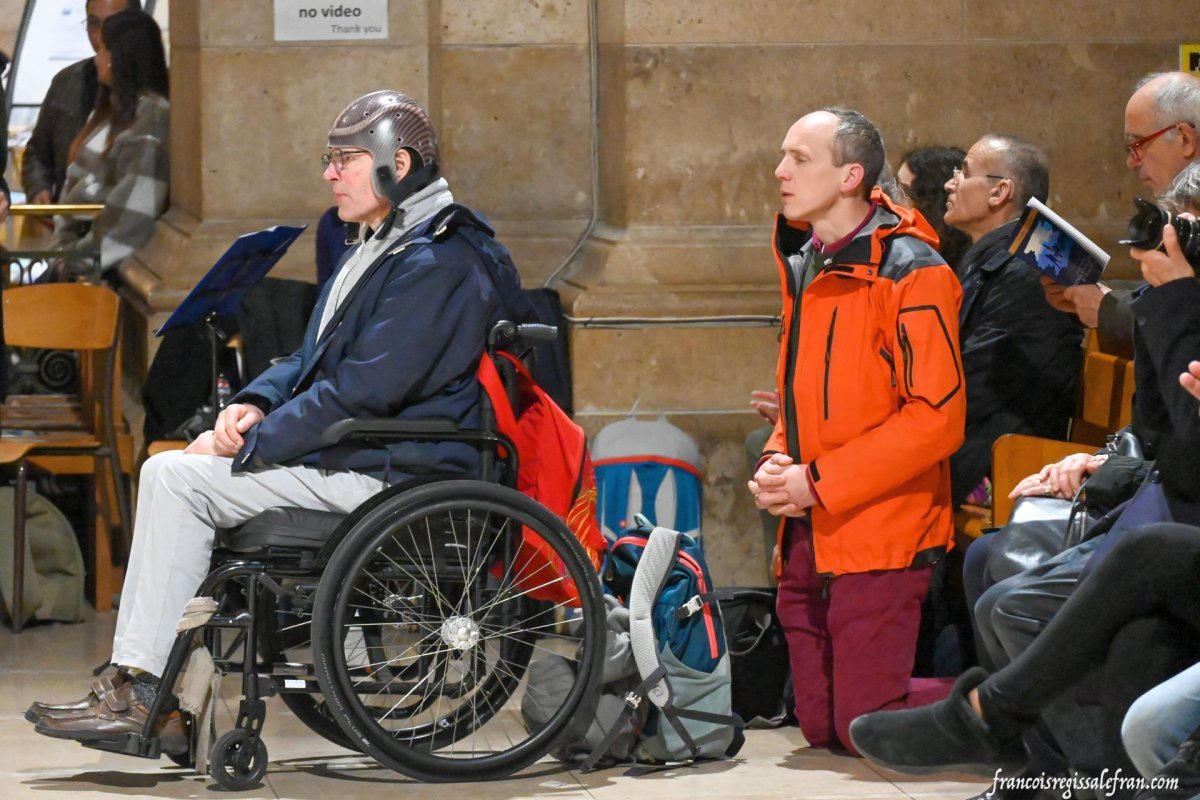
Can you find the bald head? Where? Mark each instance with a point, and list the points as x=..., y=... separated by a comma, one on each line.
x=1165, y=106
x=1023, y=163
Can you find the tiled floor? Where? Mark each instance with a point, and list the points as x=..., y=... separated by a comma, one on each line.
x=52, y=662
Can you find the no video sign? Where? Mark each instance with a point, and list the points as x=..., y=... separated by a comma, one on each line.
x=313, y=20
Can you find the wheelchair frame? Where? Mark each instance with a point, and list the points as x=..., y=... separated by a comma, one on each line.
x=239, y=757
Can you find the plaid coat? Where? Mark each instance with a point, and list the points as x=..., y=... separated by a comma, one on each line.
x=131, y=181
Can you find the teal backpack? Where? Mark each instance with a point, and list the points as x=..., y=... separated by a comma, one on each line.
x=666, y=692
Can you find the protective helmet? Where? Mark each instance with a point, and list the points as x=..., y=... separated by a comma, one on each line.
x=381, y=123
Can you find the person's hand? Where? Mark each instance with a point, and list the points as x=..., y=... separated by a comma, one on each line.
x=1190, y=380
x=1159, y=267
x=1061, y=479
x=201, y=445
x=781, y=487
x=766, y=404
x=43, y=198
x=1082, y=300
x=235, y=420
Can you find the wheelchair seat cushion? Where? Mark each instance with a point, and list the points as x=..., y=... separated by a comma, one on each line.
x=281, y=527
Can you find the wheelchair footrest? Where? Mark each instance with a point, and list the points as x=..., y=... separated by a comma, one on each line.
x=134, y=744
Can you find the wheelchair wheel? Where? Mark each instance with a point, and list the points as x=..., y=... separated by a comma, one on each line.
x=427, y=616
x=286, y=636
x=237, y=765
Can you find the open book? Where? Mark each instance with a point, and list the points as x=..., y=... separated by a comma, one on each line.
x=1056, y=248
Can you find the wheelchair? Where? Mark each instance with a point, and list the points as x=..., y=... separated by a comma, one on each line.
x=404, y=629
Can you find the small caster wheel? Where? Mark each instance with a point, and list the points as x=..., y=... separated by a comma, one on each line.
x=183, y=759
x=234, y=764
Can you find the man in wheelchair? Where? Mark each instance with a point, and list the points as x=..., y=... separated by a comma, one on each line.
x=397, y=334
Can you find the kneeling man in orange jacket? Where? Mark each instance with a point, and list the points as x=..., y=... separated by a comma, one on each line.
x=872, y=406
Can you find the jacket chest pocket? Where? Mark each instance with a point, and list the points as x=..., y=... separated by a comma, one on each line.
x=929, y=359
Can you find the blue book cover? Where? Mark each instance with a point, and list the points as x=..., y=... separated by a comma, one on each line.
x=244, y=264
x=1053, y=246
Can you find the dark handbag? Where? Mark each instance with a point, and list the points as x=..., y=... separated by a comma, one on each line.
x=758, y=658
x=1115, y=482
x=1147, y=507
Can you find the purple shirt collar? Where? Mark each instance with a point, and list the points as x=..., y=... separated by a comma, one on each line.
x=821, y=247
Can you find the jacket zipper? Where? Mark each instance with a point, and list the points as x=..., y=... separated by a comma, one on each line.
x=828, y=358
x=908, y=357
x=791, y=427
x=891, y=364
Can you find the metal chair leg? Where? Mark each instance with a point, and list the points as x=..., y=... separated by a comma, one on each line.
x=17, y=606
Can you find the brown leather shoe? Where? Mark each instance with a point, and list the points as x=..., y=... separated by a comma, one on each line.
x=100, y=687
x=117, y=714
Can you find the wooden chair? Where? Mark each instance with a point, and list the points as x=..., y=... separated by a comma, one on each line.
x=58, y=432
x=30, y=242
x=1106, y=405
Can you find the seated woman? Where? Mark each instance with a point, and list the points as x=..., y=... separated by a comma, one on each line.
x=922, y=176
x=120, y=157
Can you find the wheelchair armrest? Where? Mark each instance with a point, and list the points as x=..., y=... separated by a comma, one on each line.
x=393, y=429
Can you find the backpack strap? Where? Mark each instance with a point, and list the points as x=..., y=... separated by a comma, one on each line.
x=697, y=603
x=633, y=701
x=489, y=377
x=653, y=570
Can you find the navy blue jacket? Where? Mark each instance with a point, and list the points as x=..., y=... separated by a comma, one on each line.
x=404, y=344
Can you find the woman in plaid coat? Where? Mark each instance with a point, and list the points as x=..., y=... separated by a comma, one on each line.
x=120, y=157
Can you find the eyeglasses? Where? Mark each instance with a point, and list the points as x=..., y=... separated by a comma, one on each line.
x=338, y=157
x=1138, y=146
x=960, y=175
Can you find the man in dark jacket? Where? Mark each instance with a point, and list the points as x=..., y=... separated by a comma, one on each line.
x=66, y=107
x=397, y=333
x=1020, y=356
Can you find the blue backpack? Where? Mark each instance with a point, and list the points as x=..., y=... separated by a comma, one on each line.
x=678, y=644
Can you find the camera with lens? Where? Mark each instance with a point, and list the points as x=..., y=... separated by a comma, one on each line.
x=1146, y=230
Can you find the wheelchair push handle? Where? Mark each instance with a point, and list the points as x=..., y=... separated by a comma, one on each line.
x=505, y=333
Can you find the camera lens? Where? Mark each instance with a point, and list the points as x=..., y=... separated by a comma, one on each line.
x=1146, y=225
x=1189, y=238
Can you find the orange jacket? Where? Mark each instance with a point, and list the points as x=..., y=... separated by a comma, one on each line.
x=871, y=391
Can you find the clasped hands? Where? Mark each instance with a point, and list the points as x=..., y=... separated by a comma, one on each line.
x=225, y=439
x=780, y=486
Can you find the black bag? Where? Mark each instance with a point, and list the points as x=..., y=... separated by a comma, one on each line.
x=758, y=657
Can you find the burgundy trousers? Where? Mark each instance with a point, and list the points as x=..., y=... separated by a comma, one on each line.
x=851, y=640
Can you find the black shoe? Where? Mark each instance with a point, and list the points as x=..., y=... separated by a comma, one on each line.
x=947, y=735
x=1181, y=773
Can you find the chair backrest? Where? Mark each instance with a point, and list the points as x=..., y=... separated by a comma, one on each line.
x=78, y=317
x=61, y=316
x=1107, y=397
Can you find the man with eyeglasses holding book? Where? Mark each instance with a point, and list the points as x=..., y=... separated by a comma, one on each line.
x=1005, y=329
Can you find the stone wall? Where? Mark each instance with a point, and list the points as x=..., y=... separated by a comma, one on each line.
x=693, y=100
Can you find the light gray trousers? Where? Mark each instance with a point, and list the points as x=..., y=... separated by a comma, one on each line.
x=182, y=500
